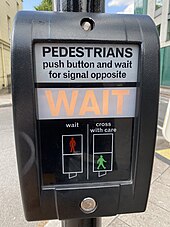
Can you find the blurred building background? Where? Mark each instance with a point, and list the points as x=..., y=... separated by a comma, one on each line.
x=159, y=10
x=8, y=10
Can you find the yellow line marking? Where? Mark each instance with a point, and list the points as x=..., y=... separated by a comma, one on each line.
x=42, y=223
x=165, y=153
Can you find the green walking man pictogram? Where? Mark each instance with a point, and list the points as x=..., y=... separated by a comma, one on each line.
x=101, y=162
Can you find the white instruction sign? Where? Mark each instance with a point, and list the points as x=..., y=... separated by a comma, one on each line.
x=82, y=63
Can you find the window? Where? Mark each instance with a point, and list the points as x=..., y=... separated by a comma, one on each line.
x=17, y=6
x=159, y=28
x=7, y=2
x=158, y=4
x=139, y=7
x=158, y=7
x=168, y=30
x=9, y=27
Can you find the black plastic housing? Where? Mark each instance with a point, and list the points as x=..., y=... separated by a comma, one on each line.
x=116, y=197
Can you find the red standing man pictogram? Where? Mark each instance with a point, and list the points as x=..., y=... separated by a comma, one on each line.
x=72, y=144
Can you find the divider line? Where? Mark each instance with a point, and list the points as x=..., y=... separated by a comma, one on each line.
x=87, y=151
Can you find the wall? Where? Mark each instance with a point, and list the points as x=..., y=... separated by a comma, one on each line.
x=8, y=10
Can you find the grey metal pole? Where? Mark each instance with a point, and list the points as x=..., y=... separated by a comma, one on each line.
x=93, y=6
x=91, y=222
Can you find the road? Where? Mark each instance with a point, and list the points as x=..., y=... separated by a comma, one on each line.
x=11, y=211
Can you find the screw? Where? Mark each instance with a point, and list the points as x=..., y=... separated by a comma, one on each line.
x=86, y=26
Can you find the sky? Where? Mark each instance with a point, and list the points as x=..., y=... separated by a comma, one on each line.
x=112, y=6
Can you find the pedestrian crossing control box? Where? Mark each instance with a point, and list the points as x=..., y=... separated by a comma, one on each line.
x=85, y=105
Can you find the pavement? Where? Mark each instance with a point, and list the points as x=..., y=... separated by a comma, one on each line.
x=157, y=213
x=5, y=100
x=165, y=91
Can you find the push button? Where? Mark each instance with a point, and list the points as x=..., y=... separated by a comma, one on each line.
x=88, y=205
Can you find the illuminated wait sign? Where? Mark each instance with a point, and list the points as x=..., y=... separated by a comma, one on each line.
x=67, y=103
